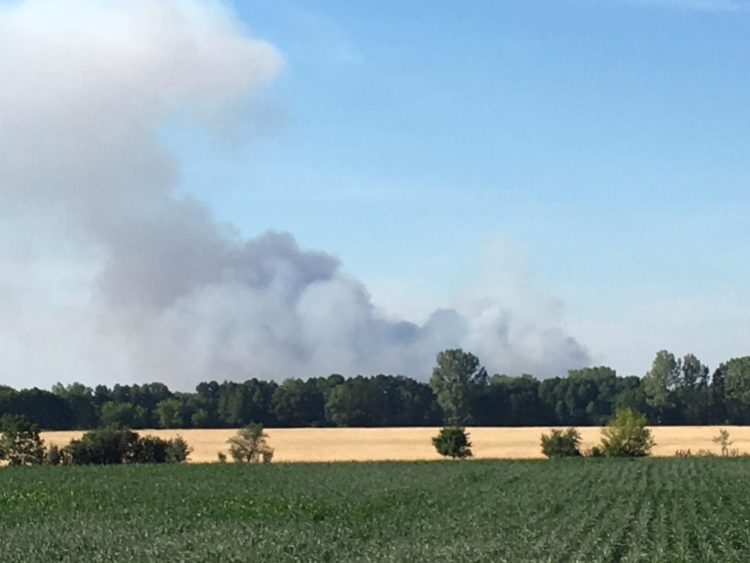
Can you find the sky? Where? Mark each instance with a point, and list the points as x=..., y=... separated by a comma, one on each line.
x=221, y=190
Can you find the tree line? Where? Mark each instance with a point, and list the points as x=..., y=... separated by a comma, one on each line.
x=675, y=391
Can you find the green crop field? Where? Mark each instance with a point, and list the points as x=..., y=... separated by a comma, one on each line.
x=577, y=510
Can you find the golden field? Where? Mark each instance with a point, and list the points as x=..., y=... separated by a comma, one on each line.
x=411, y=444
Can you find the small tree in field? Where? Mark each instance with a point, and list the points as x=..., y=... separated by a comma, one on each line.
x=627, y=435
x=562, y=443
x=250, y=445
x=453, y=441
x=723, y=440
x=20, y=443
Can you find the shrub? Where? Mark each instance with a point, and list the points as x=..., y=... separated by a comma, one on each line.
x=562, y=443
x=723, y=440
x=149, y=449
x=54, y=455
x=20, y=443
x=453, y=441
x=106, y=446
x=222, y=457
x=178, y=450
x=111, y=446
x=594, y=451
x=250, y=445
x=627, y=435
x=698, y=453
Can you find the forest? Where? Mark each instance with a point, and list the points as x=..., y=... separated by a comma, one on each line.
x=675, y=391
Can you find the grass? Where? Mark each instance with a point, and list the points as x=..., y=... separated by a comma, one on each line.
x=572, y=510
x=413, y=444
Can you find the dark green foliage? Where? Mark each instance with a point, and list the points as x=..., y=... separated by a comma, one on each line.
x=627, y=435
x=149, y=449
x=54, y=455
x=107, y=446
x=20, y=443
x=43, y=408
x=127, y=415
x=114, y=446
x=250, y=445
x=562, y=443
x=458, y=382
x=298, y=403
x=172, y=413
x=81, y=402
x=178, y=450
x=735, y=376
x=453, y=441
x=676, y=390
x=382, y=400
x=693, y=509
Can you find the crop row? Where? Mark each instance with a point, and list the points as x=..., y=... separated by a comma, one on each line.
x=568, y=510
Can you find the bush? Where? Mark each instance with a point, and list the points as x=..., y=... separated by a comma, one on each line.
x=723, y=440
x=106, y=446
x=54, y=455
x=453, y=441
x=221, y=457
x=20, y=443
x=149, y=449
x=112, y=446
x=562, y=443
x=250, y=445
x=627, y=435
x=178, y=450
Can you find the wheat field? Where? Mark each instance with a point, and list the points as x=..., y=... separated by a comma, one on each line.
x=413, y=444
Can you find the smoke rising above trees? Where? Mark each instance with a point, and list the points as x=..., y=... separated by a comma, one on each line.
x=108, y=270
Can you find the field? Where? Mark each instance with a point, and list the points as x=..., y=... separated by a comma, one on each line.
x=570, y=510
x=413, y=444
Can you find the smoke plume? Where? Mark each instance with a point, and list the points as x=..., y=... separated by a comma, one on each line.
x=107, y=274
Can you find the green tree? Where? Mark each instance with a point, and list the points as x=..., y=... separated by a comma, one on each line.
x=514, y=401
x=172, y=413
x=353, y=404
x=453, y=441
x=81, y=401
x=43, y=408
x=298, y=403
x=562, y=443
x=693, y=391
x=736, y=379
x=20, y=443
x=627, y=435
x=717, y=400
x=242, y=403
x=122, y=414
x=250, y=445
x=458, y=382
x=660, y=384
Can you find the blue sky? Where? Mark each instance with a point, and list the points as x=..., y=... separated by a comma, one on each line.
x=604, y=142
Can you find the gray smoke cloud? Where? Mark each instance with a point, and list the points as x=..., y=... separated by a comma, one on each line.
x=108, y=275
